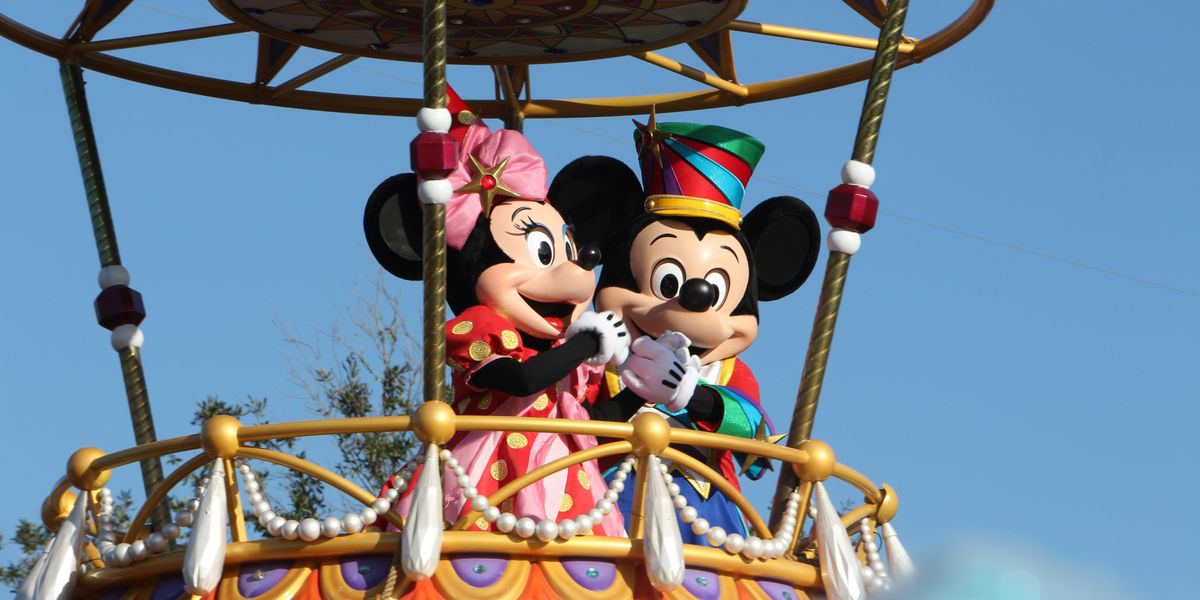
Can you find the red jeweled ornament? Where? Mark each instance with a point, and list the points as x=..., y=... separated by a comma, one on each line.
x=487, y=182
x=852, y=207
x=433, y=155
x=119, y=305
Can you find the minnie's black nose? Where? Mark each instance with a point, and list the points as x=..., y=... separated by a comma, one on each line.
x=697, y=295
x=589, y=257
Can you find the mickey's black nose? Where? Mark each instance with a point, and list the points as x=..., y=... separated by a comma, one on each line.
x=589, y=257
x=697, y=295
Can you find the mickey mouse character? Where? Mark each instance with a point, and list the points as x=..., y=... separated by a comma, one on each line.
x=685, y=271
x=523, y=342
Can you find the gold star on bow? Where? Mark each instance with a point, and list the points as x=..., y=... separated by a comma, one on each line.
x=761, y=436
x=487, y=191
x=652, y=137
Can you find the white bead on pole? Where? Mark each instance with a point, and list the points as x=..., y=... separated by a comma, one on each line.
x=844, y=241
x=127, y=336
x=858, y=173
x=421, y=539
x=840, y=570
x=112, y=275
x=437, y=120
x=61, y=568
x=435, y=191
x=899, y=563
x=662, y=542
x=204, y=560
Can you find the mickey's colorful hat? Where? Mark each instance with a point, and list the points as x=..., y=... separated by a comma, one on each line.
x=693, y=170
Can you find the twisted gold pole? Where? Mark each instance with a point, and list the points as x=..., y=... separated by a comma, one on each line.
x=106, y=248
x=435, y=214
x=886, y=53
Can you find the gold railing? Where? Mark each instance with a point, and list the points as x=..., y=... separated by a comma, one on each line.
x=224, y=438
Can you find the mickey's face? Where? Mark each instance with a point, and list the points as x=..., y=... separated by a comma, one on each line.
x=542, y=290
x=687, y=283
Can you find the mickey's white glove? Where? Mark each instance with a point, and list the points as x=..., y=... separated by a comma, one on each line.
x=662, y=371
x=609, y=330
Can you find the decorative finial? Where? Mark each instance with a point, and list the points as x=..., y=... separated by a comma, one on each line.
x=651, y=136
x=487, y=183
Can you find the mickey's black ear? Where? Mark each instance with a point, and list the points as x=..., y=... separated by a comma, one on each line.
x=784, y=234
x=599, y=195
x=392, y=223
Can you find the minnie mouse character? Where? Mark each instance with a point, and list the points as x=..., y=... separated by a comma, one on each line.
x=686, y=271
x=523, y=342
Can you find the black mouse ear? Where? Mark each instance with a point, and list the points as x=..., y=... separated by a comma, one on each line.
x=392, y=223
x=785, y=236
x=598, y=195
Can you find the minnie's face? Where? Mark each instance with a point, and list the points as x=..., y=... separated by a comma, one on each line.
x=671, y=266
x=542, y=290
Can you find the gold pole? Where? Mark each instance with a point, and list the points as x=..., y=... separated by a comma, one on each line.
x=434, y=251
x=110, y=255
x=838, y=264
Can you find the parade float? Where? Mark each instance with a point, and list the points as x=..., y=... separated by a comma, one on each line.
x=402, y=543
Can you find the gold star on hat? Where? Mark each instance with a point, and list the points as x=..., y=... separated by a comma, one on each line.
x=761, y=436
x=652, y=137
x=487, y=183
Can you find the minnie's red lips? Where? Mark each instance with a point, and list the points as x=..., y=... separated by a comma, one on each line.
x=556, y=323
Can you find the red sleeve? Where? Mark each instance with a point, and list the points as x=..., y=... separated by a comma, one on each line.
x=743, y=380
x=478, y=335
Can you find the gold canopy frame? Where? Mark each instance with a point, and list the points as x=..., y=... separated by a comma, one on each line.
x=719, y=84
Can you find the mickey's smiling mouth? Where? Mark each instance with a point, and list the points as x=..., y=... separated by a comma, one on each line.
x=550, y=309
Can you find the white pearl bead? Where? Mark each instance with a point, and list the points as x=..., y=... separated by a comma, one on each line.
x=243, y=467
x=688, y=514
x=868, y=573
x=700, y=526
x=108, y=536
x=434, y=119
x=105, y=493
x=621, y=476
x=253, y=486
x=368, y=515
x=679, y=501
x=172, y=531
x=584, y=523
x=138, y=550
x=491, y=514
x=625, y=468
x=459, y=471
x=351, y=522
x=663, y=468
x=446, y=455
x=716, y=536
x=266, y=517
x=617, y=486
x=667, y=479
x=788, y=521
x=192, y=505
x=310, y=529
x=734, y=543
x=463, y=481
x=435, y=191
x=290, y=529
x=844, y=241
x=183, y=518
x=871, y=547
x=391, y=495
x=275, y=526
x=753, y=547
x=470, y=492
x=112, y=275
x=673, y=489
x=858, y=173
x=104, y=547
x=611, y=496
x=255, y=498
x=604, y=506
x=261, y=508
x=596, y=515
x=506, y=522
x=381, y=505
x=121, y=555
x=546, y=530
x=567, y=529
x=331, y=526
x=525, y=527
x=156, y=542
x=480, y=503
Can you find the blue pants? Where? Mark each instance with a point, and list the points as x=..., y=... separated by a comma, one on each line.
x=719, y=510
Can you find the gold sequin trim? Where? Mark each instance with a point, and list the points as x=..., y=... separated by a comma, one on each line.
x=583, y=479
x=479, y=350
x=499, y=470
x=517, y=441
x=461, y=407
x=462, y=328
x=485, y=402
x=466, y=117
x=481, y=523
x=507, y=505
x=509, y=339
x=566, y=504
x=541, y=403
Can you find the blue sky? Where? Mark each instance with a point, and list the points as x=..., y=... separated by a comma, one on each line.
x=1017, y=349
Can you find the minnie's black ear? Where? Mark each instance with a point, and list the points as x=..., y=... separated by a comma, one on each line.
x=599, y=195
x=392, y=223
x=785, y=237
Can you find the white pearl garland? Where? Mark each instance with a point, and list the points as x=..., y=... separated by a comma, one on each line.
x=874, y=573
x=312, y=529
x=545, y=529
x=121, y=554
x=750, y=546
